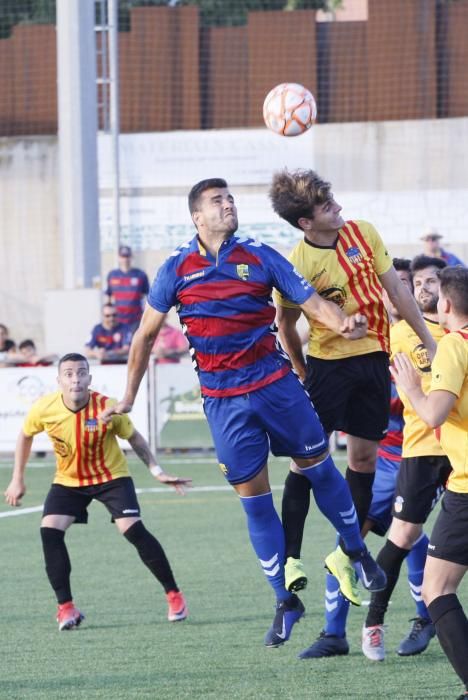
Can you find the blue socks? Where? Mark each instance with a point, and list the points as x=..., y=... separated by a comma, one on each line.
x=415, y=561
x=336, y=608
x=333, y=497
x=267, y=537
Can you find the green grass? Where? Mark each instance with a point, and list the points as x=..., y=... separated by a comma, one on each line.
x=127, y=649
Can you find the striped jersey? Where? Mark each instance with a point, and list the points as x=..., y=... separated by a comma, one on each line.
x=128, y=290
x=110, y=339
x=86, y=449
x=450, y=373
x=418, y=439
x=226, y=311
x=346, y=273
x=391, y=446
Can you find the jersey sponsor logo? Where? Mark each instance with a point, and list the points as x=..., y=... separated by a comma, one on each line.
x=335, y=294
x=91, y=425
x=398, y=505
x=318, y=275
x=194, y=276
x=242, y=271
x=61, y=447
x=420, y=358
x=354, y=255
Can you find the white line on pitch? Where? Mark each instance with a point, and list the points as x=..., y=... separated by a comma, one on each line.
x=194, y=489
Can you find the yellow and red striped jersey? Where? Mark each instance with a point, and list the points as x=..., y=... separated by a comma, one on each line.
x=346, y=273
x=450, y=373
x=86, y=449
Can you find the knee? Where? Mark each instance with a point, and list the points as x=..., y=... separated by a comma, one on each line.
x=363, y=464
x=428, y=592
x=404, y=534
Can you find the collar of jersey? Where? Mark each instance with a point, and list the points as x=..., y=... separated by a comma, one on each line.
x=225, y=244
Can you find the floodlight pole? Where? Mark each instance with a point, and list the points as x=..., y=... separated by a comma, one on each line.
x=77, y=138
x=113, y=22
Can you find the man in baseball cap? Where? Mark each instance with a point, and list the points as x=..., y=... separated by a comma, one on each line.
x=433, y=249
x=127, y=288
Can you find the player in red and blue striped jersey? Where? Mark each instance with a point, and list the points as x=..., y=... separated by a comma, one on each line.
x=221, y=285
x=127, y=288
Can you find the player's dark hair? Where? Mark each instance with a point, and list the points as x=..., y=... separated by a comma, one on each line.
x=73, y=357
x=28, y=343
x=454, y=286
x=402, y=264
x=294, y=194
x=420, y=262
x=198, y=189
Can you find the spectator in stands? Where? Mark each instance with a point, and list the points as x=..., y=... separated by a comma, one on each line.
x=433, y=249
x=110, y=340
x=27, y=355
x=6, y=344
x=127, y=288
x=170, y=345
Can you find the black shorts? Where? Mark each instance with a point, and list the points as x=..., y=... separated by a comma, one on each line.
x=420, y=484
x=352, y=394
x=449, y=538
x=118, y=496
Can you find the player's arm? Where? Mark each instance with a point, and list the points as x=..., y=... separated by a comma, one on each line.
x=432, y=408
x=143, y=451
x=290, y=338
x=17, y=487
x=138, y=358
x=404, y=301
x=330, y=315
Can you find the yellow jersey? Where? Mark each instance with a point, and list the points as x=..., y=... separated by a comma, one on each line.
x=86, y=449
x=418, y=439
x=450, y=373
x=346, y=273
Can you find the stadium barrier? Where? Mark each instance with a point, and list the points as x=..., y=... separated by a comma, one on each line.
x=168, y=409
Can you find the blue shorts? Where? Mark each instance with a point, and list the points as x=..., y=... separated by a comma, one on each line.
x=383, y=494
x=279, y=416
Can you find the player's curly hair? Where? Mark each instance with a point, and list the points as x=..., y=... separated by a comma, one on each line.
x=295, y=194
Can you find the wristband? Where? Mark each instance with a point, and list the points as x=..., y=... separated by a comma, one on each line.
x=156, y=470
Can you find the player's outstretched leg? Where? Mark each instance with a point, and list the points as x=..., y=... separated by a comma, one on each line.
x=333, y=497
x=58, y=569
x=332, y=640
x=422, y=630
x=153, y=556
x=267, y=537
x=294, y=508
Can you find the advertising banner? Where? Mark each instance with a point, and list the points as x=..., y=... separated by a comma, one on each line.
x=21, y=386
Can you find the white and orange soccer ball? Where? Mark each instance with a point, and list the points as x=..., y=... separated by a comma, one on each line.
x=289, y=109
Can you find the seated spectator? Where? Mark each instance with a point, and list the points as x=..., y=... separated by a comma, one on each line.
x=170, y=345
x=127, y=288
x=433, y=249
x=27, y=356
x=110, y=340
x=6, y=344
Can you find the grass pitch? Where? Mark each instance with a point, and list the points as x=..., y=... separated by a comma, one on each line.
x=126, y=649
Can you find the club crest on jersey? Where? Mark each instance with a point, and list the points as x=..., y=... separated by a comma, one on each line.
x=91, y=425
x=242, y=271
x=354, y=255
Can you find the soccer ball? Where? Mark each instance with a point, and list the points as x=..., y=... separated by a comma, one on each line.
x=289, y=109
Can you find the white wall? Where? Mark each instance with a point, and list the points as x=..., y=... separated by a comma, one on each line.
x=402, y=176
